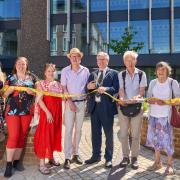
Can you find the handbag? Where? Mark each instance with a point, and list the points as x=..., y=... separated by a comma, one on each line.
x=175, y=116
x=131, y=110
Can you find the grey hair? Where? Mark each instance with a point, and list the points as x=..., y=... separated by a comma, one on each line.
x=104, y=54
x=130, y=53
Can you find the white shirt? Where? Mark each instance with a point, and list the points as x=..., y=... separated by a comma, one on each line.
x=161, y=91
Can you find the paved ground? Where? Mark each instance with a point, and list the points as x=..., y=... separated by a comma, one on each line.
x=97, y=171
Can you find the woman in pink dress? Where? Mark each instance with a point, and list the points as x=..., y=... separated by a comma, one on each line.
x=47, y=138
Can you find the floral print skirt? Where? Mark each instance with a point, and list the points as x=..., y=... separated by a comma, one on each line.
x=160, y=135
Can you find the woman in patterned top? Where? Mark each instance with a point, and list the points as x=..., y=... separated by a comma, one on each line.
x=2, y=78
x=18, y=113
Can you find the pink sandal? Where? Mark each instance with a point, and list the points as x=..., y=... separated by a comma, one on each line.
x=44, y=170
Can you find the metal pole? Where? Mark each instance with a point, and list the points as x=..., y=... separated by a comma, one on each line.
x=69, y=23
x=107, y=49
x=88, y=26
x=48, y=20
x=172, y=27
x=150, y=26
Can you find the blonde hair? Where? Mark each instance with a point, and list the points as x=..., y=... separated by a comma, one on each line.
x=133, y=54
x=164, y=64
x=104, y=54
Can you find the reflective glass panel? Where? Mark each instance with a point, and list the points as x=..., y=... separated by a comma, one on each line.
x=160, y=3
x=58, y=6
x=79, y=5
x=9, y=9
x=177, y=35
x=9, y=43
x=139, y=4
x=98, y=5
x=160, y=36
x=176, y=3
x=141, y=27
x=59, y=39
x=98, y=34
x=116, y=31
x=118, y=5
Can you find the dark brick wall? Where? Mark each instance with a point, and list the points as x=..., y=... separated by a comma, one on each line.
x=34, y=45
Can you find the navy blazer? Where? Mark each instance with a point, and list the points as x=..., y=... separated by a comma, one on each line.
x=111, y=82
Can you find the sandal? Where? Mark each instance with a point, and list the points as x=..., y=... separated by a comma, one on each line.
x=54, y=163
x=155, y=167
x=169, y=170
x=44, y=170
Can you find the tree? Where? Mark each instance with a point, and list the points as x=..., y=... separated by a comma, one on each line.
x=126, y=42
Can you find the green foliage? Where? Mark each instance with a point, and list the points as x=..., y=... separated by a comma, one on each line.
x=126, y=42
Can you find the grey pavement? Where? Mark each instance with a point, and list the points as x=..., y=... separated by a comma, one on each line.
x=97, y=171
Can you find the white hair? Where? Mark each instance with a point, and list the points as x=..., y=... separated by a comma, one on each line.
x=104, y=54
x=133, y=54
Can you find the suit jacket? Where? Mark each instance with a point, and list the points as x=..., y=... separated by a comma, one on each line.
x=111, y=82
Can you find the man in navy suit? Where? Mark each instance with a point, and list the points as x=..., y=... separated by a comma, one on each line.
x=102, y=108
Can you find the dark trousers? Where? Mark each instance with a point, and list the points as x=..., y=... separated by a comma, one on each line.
x=99, y=120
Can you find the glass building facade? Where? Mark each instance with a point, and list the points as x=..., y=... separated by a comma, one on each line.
x=107, y=20
x=91, y=25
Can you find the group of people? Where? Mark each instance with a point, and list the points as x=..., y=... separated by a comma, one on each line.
x=76, y=80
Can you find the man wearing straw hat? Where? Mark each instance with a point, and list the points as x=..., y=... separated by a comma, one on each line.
x=73, y=79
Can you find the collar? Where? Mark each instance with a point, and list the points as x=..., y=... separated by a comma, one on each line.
x=135, y=71
x=79, y=70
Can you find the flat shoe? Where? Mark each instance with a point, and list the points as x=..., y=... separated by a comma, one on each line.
x=155, y=167
x=44, y=170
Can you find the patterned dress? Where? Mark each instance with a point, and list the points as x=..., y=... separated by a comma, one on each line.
x=48, y=138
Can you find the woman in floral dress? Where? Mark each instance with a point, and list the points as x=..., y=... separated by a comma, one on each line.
x=160, y=132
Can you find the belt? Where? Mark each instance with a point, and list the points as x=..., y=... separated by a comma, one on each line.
x=80, y=100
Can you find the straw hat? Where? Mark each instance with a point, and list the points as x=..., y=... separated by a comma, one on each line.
x=76, y=51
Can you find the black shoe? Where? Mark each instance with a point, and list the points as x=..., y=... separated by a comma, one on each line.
x=8, y=171
x=92, y=160
x=134, y=163
x=77, y=159
x=17, y=165
x=67, y=164
x=108, y=164
x=124, y=162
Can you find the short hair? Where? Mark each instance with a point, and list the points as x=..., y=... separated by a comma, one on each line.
x=164, y=64
x=104, y=54
x=130, y=53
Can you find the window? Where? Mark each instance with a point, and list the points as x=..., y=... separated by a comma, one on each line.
x=9, y=9
x=79, y=5
x=118, y=5
x=177, y=35
x=9, y=43
x=139, y=4
x=98, y=5
x=65, y=44
x=98, y=34
x=160, y=3
x=58, y=6
x=160, y=36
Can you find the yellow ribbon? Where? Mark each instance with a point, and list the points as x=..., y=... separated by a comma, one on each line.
x=64, y=96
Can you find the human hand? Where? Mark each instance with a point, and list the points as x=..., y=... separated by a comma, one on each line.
x=49, y=117
x=101, y=89
x=91, y=85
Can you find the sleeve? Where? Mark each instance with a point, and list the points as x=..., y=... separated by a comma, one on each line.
x=63, y=78
x=149, y=91
x=176, y=88
x=143, y=82
x=8, y=80
x=121, y=84
x=115, y=84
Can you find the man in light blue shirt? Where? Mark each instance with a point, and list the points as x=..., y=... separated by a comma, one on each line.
x=132, y=84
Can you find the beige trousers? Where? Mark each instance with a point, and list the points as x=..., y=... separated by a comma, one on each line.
x=126, y=124
x=73, y=122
